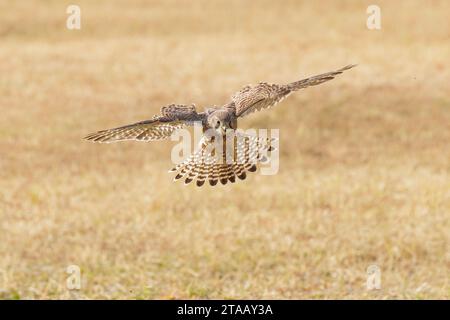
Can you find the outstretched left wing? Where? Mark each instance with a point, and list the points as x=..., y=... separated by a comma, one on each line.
x=265, y=95
x=172, y=118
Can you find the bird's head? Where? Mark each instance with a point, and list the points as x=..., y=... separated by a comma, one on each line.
x=220, y=121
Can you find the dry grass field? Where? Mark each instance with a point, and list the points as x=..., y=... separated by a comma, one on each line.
x=364, y=173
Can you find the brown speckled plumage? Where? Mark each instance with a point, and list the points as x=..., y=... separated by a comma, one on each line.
x=203, y=164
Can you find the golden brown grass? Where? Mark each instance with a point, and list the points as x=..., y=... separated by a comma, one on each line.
x=364, y=176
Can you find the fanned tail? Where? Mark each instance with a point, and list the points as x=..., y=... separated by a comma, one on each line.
x=235, y=161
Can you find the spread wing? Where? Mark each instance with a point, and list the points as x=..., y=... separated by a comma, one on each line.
x=265, y=95
x=172, y=118
x=238, y=155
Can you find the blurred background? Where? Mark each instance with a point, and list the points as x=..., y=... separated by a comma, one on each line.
x=364, y=175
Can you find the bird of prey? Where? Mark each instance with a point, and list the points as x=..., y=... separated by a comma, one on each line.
x=218, y=123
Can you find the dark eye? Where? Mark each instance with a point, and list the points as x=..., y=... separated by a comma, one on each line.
x=217, y=123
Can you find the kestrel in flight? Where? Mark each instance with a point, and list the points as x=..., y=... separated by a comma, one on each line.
x=206, y=163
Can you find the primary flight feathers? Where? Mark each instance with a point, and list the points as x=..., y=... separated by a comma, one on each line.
x=201, y=166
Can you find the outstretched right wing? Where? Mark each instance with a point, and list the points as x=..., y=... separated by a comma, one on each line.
x=265, y=95
x=172, y=118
